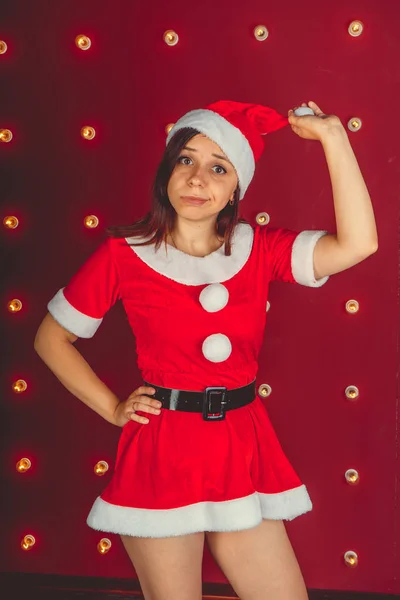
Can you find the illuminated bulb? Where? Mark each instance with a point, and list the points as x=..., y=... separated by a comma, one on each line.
x=169, y=127
x=5, y=135
x=351, y=558
x=19, y=386
x=101, y=468
x=261, y=33
x=354, y=124
x=10, y=222
x=28, y=542
x=171, y=38
x=352, y=392
x=352, y=307
x=356, y=28
x=88, y=133
x=83, y=42
x=3, y=47
x=23, y=465
x=14, y=305
x=91, y=221
x=352, y=476
x=104, y=545
x=262, y=218
x=264, y=390
x=268, y=306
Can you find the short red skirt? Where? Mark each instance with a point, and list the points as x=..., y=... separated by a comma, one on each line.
x=179, y=474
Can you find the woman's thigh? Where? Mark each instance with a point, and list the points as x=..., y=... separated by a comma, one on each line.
x=259, y=563
x=167, y=568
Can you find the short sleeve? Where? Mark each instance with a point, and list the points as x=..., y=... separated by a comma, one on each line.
x=91, y=292
x=290, y=255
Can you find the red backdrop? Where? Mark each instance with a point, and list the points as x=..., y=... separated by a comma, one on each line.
x=129, y=86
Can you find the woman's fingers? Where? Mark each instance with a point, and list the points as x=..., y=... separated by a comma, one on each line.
x=142, y=390
x=138, y=418
x=139, y=395
x=140, y=401
x=145, y=408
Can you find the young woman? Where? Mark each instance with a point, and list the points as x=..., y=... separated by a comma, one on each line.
x=197, y=458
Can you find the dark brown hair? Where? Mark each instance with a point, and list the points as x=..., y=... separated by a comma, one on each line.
x=160, y=220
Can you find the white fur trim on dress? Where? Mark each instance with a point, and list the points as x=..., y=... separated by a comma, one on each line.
x=303, y=258
x=228, y=137
x=230, y=515
x=197, y=270
x=70, y=318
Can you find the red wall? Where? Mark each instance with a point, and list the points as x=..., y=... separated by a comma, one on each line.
x=129, y=85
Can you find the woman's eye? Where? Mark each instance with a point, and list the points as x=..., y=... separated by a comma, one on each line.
x=222, y=169
x=183, y=158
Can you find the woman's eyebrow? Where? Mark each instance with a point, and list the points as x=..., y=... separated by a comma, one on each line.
x=216, y=155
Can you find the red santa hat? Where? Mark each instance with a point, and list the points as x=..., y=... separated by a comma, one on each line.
x=237, y=128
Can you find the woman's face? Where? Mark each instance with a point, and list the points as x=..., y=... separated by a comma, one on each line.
x=203, y=180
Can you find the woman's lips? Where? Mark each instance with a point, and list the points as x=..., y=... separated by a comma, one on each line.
x=194, y=200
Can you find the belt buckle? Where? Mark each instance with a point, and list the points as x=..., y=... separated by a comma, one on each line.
x=207, y=400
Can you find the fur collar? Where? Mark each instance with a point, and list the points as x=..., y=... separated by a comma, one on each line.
x=199, y=270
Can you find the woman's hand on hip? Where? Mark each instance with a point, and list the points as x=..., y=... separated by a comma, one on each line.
x=137, y=401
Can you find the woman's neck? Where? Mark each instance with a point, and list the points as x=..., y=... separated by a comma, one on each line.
x=194, y=241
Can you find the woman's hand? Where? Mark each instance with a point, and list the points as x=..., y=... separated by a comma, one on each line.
x=125, y=411
x=312, y=127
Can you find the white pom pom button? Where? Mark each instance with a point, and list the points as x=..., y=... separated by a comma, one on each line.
x=214, y=297
x=217, y=347
x=302, y=111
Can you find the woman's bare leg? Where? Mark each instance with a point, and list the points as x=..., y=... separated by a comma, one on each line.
x=167, y=568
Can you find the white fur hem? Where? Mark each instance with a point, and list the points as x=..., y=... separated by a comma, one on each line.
x=303, y=258
x=70, y=318
x=231, y=515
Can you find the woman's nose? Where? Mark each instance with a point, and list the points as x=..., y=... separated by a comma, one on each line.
x=197, y=176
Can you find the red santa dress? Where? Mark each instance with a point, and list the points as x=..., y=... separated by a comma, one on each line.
x=198, y=322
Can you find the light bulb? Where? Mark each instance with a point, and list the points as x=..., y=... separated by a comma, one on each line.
x=23, y=465
x=104, y=546
x=352, y=476
x=14, y=305
x=261, y=33
x=354, y=124
x=5, y=135
x=83, y=42
x=264, y=390
x=101, y=468
x=351, y=558
x=19, y=386
x=262, y=218
x=10, y=222
x=356, y=28
x=352, y=392
x=352, y=307
x=88, y=133
x=3, y=47
x=171, y=38
x=28, y=542
x=91, y=221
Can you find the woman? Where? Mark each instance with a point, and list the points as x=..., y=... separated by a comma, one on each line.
x=197, y=458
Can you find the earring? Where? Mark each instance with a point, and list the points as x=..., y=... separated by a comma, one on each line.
x=231, y=202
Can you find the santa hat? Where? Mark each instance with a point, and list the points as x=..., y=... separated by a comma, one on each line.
x=236, y=128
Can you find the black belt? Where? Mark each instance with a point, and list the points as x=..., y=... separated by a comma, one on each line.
x=213, y=402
